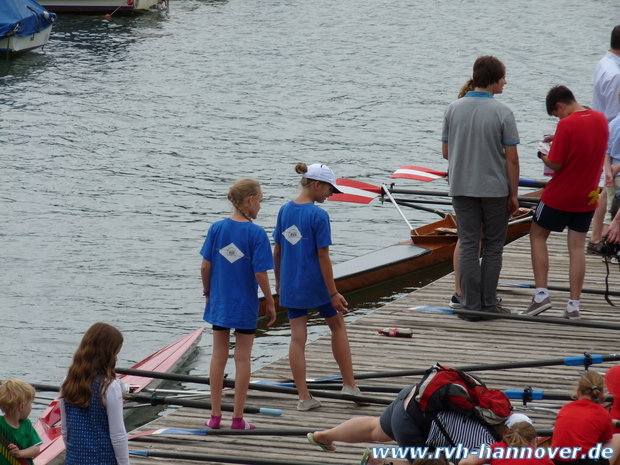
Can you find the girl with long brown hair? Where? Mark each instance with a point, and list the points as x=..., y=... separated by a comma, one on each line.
x=92, y=401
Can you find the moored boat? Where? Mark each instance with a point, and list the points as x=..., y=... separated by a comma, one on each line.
x=24, y=25
x=98, y=6
x=168, y=359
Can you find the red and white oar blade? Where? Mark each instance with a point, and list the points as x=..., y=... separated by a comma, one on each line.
x=418, y=173
x=355, y=191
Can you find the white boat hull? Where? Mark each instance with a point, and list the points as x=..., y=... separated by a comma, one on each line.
x=23, y=44
x=97, y=5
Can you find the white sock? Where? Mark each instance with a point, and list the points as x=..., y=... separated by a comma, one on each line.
x=541, y=294
x=572, y=305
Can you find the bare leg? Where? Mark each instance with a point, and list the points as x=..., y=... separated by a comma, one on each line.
x=614, y=443
x=243, y=352
x=358, y=429
x=455, y=265
x=297, y=355
x=540, y=254
x=341, y=348
x=577, y=260
x=219, y=358
x=599, y=216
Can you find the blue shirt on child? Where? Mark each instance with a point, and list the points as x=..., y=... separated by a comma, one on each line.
x=237, y=251
x=302, y=229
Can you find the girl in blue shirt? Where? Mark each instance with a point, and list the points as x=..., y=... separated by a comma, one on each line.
x=304, y=277
x=236, y=256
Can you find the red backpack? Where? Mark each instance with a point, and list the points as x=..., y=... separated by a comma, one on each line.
x=444, y=388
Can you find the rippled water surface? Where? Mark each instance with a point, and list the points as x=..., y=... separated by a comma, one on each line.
x=118, y=143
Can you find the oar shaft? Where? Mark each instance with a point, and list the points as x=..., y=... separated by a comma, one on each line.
x=153, y=399
x=567, y=361
x=565, y=289
x=447, y=194
x=524, y=318
x=255, y=386
x=220, y=458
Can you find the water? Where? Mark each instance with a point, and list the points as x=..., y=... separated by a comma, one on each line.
x=118, y=143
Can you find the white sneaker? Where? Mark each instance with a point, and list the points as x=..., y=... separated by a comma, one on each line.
x=349, y=391
x=305, y=405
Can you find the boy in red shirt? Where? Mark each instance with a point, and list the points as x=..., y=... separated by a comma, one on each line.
x=571, y=196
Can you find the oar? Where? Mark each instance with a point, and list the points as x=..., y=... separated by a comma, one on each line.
x=517, y=317
x=406, y=203
x=254, y=386
x=336, y=387
x=528, y=395
x=219, y=458
x=564, y=288
x=225, y=432
x=153, y=399
x=393, y=190
x=585, y=360
x=420, y=173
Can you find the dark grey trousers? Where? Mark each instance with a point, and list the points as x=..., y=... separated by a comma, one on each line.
x=476, y=216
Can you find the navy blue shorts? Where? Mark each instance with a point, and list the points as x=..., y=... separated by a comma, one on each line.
x=240, y=331
x=326, y=310
x=556, y=220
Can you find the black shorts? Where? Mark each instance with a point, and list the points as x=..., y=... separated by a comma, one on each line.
x=556, y=220
x=240, y=331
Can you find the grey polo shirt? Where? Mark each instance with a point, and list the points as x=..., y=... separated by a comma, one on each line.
x=476, y=128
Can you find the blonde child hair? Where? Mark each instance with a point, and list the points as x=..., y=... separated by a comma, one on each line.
x=521, y=434
x=240, y=191
x=14, y=392
x=591, y=384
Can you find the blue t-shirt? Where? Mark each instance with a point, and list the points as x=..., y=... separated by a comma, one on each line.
x=237, y=251
x=302, y=229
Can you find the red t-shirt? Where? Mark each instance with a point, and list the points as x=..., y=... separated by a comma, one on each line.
x=516, y=461
x=579, y=144
x=581, y=423
x=615, y=413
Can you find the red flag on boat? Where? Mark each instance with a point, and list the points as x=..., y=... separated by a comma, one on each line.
x=418, y=173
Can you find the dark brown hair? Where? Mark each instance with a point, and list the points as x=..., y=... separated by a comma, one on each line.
x=488, y=70
x=95, y=357
x=558, y=94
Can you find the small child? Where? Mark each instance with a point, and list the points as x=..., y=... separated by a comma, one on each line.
x=17, y=435
x=236, y=256
x=91, y=404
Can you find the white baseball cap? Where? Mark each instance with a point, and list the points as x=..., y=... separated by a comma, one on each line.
x=517, y=418
x=320, y=172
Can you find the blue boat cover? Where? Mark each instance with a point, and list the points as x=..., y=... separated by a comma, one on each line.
x=23, y=18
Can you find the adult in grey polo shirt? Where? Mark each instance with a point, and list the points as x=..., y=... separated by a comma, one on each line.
x=479, y=140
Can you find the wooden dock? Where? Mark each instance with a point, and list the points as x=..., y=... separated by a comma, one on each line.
x=437, y=337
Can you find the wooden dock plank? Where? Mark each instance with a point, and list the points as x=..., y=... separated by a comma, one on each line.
x=437, y=338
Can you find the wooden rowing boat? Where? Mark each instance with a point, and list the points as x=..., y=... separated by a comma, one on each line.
x=168, y=359
x=429, y=246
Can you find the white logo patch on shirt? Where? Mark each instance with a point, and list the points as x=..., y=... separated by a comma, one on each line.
x=231, y=253
x=292, y=234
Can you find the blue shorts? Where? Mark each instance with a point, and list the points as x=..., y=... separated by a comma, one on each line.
x=556, y=220
x=326, y=310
